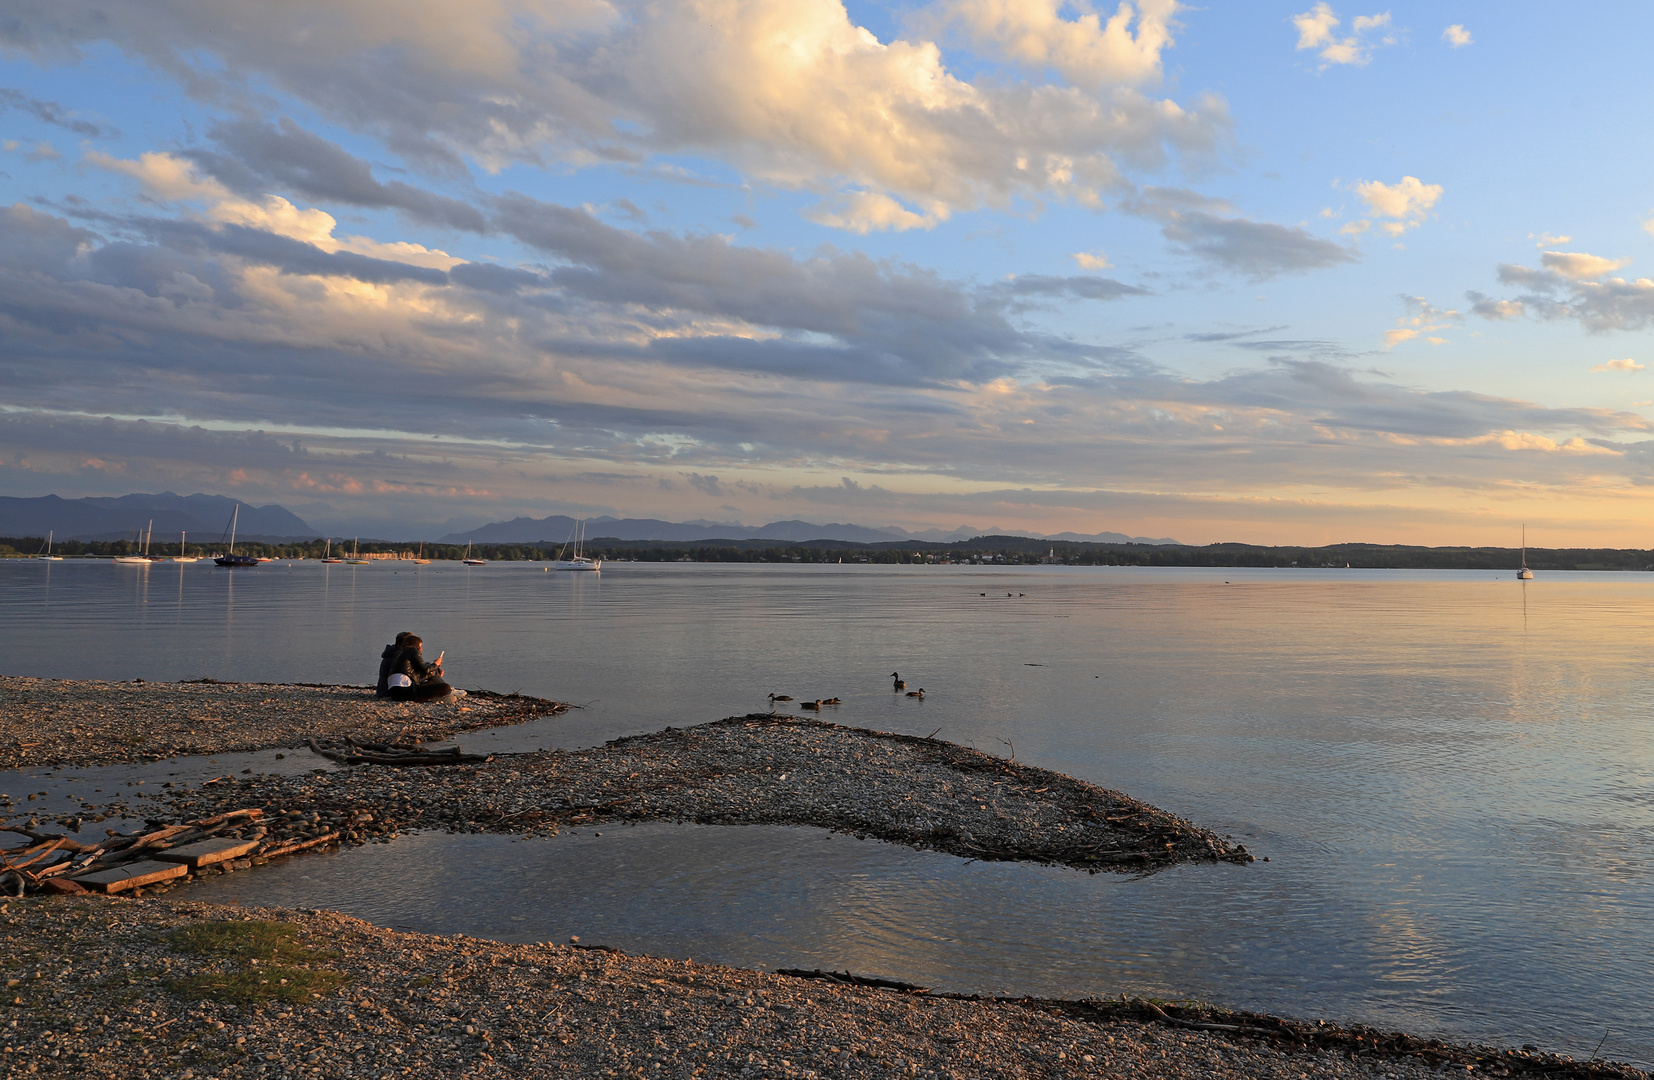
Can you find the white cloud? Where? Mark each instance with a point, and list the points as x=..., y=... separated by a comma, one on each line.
x=1092, y=260
x=1407, y=202
x=1422, y=318
x=791, y=92
x=1578, y=266
x=871, y=211
x=164, y=178
x=1626, y=364
x=1084, y=50
x=1316, y=31
x=1546, y=239
x=1457, y=36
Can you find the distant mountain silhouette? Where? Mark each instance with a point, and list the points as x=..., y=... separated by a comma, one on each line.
x=204, y=517
x=557, y=528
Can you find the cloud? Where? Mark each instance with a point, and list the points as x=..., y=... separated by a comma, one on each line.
x=262, y=156
x=1497, y=310
x=1084, y=50
x=870, y=211
x=1457, y=36
x=1316, y=31
x=1566, y=289
x=1407, y=202
x=50, y=112
x=1258, y=249
x=1578, y=266
x=1422, y=318
x=1082, y=287
x=1627, y=364
x=1210, y=229
x=1091, y=260
x=793, y=93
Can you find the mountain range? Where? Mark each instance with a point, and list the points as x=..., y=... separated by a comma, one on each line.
x=115, y=518
x=559, y=527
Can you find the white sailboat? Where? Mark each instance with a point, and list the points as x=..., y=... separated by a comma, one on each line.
x=356, y=559
x=1524, y=574
x=183, y=552
x=47, y=556
x=469, y=561
x=327, y=552
x=140, y=558
x=577, y=560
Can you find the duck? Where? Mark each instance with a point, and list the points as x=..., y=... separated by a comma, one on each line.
x=813, y=706
x=919, y=693
x=781, y=697
x=831, y=701
x=900, y=685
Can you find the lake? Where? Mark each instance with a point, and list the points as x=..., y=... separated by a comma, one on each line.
x=1452, y=774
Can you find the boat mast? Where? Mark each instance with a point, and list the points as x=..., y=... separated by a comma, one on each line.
x=234, y=518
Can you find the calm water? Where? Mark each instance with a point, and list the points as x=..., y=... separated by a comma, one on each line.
x=1452, y=774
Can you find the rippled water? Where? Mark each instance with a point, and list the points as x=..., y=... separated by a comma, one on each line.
x=1452, y=774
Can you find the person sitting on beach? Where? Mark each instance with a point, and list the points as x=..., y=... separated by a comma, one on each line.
x=387, y=661
x=412, y=679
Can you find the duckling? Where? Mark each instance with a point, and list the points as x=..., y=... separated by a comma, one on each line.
x=781, y=697
x=831, y=701
x=919, y=693
x=813, y=706
x=900, y=685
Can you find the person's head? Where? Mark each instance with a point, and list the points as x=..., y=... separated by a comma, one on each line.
x=412, y=642
x=402, y=638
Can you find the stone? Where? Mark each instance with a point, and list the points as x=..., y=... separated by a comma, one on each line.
x=132, y=875
x=206, y=852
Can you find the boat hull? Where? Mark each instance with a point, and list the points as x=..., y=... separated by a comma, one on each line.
x=236, y=560
x=578, y=564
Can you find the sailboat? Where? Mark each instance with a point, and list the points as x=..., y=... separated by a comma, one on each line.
x=140, y=558
x=230, y=558
x=1524, y=574
x=47, y=556
x=183, y=552
x=327, y=555
x=469, y=561
x=577, y=561
x=356, y=559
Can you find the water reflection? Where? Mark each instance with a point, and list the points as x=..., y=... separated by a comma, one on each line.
x=1453, y=774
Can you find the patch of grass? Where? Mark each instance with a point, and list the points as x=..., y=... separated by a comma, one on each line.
x=250, y=986
x=268, y=964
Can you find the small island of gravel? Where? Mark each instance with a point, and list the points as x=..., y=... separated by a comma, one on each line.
x=90, y=722
x=760, y=769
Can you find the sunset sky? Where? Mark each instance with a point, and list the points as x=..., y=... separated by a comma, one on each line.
x=1262, y=272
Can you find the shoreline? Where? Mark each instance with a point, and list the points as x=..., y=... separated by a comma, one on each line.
x=155, y=988
x=761, y=768
x=87, y=722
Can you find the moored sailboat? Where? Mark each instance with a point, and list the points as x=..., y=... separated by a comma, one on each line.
x=141, y=557
x=1524, y=574
x=469, y=561
x=327, y=553
x=47, y=556
x=577, y=559
x=183, y=552
x=230, y=558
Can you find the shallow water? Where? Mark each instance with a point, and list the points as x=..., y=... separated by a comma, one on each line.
x=1452, y=774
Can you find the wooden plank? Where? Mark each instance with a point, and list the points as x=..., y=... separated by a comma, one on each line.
x=206, y=852
x=132, y=875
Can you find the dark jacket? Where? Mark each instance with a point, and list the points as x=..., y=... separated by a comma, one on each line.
x=410, y=663
x=387, y=661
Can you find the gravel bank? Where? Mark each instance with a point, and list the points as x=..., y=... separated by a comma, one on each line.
x=762, y=769
x=113, y=988
x=75, y=722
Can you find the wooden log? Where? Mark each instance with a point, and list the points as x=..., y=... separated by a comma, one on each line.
x=288, y=849
x=131, y=876
x=207, y=852
x=219, y=819
x=40, y=837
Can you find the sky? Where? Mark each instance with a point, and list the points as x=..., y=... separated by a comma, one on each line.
x=1256, y=272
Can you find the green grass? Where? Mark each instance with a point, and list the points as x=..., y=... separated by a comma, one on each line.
x=263, y=962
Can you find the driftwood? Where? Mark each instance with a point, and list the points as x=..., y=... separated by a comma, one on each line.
x=359, y=755
x=288, y=849
x=847, y=979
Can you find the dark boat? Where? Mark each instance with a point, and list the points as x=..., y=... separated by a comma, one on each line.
x=232, y=559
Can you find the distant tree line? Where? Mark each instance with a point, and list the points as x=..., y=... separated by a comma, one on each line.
x=994, y=550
